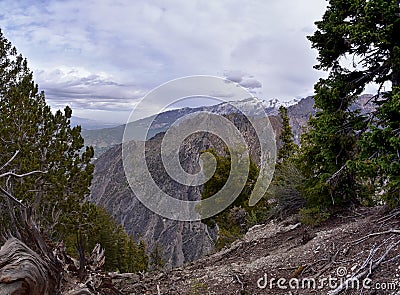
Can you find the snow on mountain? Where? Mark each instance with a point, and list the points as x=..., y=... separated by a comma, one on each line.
x=102, y=139
x=271, y=106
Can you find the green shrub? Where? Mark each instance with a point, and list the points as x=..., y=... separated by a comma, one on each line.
x=313, y=216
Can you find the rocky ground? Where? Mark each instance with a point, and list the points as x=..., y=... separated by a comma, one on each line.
x=289, y=258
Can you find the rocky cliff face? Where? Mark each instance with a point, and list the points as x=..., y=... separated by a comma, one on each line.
x=180, y=241
x=299, y=115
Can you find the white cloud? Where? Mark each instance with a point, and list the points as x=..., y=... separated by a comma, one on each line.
x=235, y=76
x=105, y=54
x=251, y=84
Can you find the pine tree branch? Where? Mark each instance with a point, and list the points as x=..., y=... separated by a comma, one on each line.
x=336, y=174
x=12, y=197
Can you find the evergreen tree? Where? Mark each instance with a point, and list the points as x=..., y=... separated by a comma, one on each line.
x=46, y=142
x=231, y=222
x=122, y=252
x=283, y=193
x=141, y=260
x=380, y=149
x=156, y=258
x=288, y=148
x=365, y=32
x=328, y=144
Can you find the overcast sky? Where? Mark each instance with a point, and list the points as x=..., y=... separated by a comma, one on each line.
x=101, y=56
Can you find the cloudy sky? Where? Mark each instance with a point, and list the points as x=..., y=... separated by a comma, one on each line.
x=101, y=56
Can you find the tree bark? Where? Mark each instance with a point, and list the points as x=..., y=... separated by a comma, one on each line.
x=22, y=271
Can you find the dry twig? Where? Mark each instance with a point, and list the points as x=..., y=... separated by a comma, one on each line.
x=367, y=267
x=390, y=231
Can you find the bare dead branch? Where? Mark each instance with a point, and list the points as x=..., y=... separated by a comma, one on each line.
x=366, y=272
x=11, y=197
x=21, y=175
x=391, y=231
x=239, y=281
x=386, y=218
x=336, y=174
x=331, y=261
x=9, y=161
x=31, y=263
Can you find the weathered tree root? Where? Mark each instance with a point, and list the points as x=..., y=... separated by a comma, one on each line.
x=22, y=271
x=32, y=264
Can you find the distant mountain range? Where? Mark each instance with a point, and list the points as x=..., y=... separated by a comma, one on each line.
x=299, y=111
x=104, y=138
x=89, y=124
